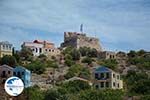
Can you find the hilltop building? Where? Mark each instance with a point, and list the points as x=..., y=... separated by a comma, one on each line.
x=106, y=78
x=5, y=48
x=107, y=55
x=78, y=40
x=5, y=72
x=42, y=47
x=23, y=74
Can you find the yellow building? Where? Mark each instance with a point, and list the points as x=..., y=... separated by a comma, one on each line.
x=5, y=48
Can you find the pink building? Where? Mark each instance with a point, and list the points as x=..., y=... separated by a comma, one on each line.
x=5, y=72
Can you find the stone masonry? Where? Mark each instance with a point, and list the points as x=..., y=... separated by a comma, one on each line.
x=78, y=40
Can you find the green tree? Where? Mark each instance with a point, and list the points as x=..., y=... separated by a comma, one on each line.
x=42, y=56
x=137, y=83
x=52, y=64
x=141, y=62
x=34, y=93
x=26, y=54
x=93, y=94
x=84, y=51
x=52, y=95
x=74, y=70
x=69, y=75
x=17, y=57
x=37, y=67
x=141, y=87
x=9, y=60
x=132, y=53
x=145, y=97
x=111, y=63
x=87, y=51
x=67, y=50
x=69, y=62
x=92, y=53
x=121, y=54
x=68, y=56
x=141, y=52
x=85, y=73
x=87, y=60
x=75, y=86
x=75, y=54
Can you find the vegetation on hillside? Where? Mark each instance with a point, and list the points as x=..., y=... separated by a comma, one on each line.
x=78, y=70
x=136, y=83
x=139, y=58
x=8, y=60
x=73, y=90
x=110, y=63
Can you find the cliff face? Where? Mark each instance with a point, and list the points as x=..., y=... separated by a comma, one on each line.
x=78, y=40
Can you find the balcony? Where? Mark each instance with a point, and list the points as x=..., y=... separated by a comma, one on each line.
x=102, y=76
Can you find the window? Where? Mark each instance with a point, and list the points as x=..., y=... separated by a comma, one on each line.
x=9, y=47
x=113, y=56
x=49, y=50
x=8, y=72
x=118, y=77
x=107, y=84
x=107, y=75
x=19, y=75
x=45, y=49
x=4, y=74
x=3, y=46
x=114, y=76
x=110, y=56
x=102, y=75
x=3, y=81
x=96, y=86
x=22, y=73
x=40, y=50
x=102, y=84
x=114, y=84
x=36, y=50
x=96, y=75
x=118, y=85
x=14, y=73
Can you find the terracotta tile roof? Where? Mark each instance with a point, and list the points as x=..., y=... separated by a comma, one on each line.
x=42, y=42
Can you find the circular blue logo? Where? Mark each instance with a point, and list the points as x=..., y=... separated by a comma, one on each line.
x=14, y=86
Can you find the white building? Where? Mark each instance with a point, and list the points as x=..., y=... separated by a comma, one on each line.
x=42, y=47
x=106, y=78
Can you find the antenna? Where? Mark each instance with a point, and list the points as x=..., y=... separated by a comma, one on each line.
x=81, y=28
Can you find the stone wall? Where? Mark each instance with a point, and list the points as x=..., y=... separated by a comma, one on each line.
x=78, y=40
x=107, y=55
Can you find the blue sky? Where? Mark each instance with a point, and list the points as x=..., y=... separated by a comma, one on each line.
x=119, y=24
